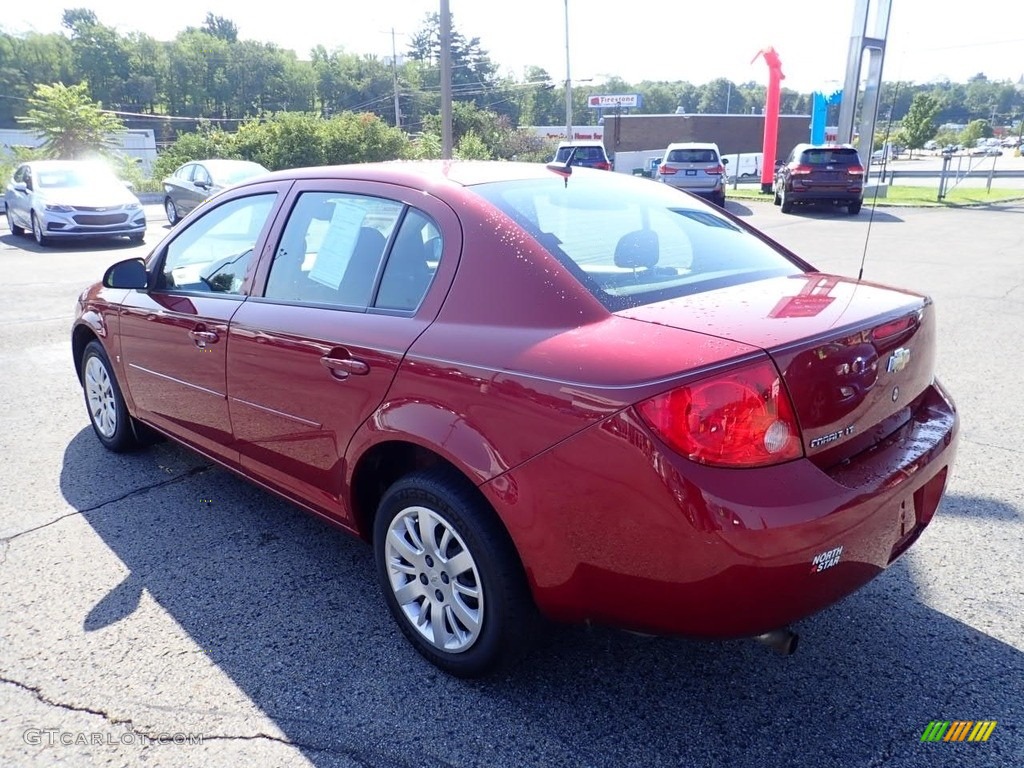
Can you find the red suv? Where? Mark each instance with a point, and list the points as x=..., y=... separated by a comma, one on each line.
x=830, y=174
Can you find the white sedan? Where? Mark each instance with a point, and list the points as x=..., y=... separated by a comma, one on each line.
x=64, y=199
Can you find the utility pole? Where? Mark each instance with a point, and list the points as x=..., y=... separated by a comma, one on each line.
x=394, y=71
x=446, y=81
x=568, y=80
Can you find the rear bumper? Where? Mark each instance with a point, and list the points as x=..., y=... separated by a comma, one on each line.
x=613, y=527
x=840, y=195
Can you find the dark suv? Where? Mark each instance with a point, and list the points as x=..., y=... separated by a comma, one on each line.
x=585, y=154
x=821, y=173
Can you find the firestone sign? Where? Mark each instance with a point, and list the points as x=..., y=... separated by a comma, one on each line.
x=604, y=101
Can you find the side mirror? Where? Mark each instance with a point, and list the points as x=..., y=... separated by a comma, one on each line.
x=21, y=186
x=725, y=161
x=130, y=273
x=129, y=186
x=203, y=184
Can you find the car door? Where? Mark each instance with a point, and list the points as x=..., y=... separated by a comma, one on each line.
x=19, y=199
x=199, y=188
x=349, y=286
x=174, y=335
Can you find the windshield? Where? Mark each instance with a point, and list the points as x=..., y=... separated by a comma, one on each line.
x=631, y=241
x=77, y=176
x=236, y=172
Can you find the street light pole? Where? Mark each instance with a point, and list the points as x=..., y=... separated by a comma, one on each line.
x=446, y=82
x=568, y=80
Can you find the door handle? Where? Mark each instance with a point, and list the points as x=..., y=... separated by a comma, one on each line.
x=202, y=338
x=341, y=367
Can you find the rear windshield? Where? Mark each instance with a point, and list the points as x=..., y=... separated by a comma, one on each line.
x=693, y=156
x=830, y=156
x=587, y=154
x=631, y=241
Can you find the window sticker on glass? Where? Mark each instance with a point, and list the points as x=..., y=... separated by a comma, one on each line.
x=338, y=244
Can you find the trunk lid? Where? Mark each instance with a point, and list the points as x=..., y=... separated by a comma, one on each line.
x=853, y=355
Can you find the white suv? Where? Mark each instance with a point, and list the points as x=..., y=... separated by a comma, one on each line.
x=695, y=167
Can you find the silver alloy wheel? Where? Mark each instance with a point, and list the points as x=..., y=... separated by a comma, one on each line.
x=37, y=230
x=435, y=579
x=99, y=390
x=171, y=211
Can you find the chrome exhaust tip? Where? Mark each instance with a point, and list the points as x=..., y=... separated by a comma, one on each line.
x=783, y=641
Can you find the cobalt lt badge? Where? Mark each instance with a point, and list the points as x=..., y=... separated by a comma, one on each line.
x=898, y=360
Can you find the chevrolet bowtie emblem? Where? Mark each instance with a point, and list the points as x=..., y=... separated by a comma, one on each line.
x=898, y=360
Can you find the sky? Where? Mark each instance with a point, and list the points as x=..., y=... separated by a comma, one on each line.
x=645, y=40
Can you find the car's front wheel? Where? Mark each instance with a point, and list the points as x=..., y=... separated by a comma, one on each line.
x=777, y=200
x=37, y=231
x=450, y=574
x=15, y=229
x=107, y=410
x=172, y=211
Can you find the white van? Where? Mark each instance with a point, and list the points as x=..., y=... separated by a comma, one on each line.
x=745, y=165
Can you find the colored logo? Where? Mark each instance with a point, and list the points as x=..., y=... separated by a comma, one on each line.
x=958, y=730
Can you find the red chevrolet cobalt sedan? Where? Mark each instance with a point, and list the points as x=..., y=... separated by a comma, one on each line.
x=535, y=391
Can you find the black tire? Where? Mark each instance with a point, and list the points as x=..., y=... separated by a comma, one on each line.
x=136, y=239
x=719, y=200
x=443, y=501
x=784, y=201
x=777, y=200
x=104, y=403
x=15, y=229
x=854, y=208
x=37, y=232
x=172, y=211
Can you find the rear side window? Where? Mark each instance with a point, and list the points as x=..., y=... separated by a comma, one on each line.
x=829, y=156
x=631, y=242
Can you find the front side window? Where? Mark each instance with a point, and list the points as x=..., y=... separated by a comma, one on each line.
x=214, y=252
x=631, y=242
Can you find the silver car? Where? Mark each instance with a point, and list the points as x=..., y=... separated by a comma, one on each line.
x=696, y=167
x=64, y=199
x=195, y=182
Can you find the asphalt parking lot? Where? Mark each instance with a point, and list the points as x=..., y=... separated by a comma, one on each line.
x=158, y=611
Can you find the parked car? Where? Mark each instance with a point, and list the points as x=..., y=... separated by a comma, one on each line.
x=535, y=389
x=69, y=199
x=988, y=150
x=584, y=154
x=197, y=181
x=695, y=167
x=821, y=173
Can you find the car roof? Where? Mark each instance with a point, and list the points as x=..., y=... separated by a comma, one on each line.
x=422, y=173
x=693, y=145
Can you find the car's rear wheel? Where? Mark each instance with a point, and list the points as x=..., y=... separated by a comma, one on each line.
x=719, y=200
x=450, y=574
x=15, y=229
x=784, y=201
x=107, y=410
x=172, y=211
x=854, y=208
x=37, y=231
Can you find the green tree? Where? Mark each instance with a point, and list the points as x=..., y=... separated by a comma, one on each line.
x=70, y=123
x=918, y=125
x=976, y=129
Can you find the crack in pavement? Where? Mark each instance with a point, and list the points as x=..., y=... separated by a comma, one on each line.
x=6, y=540
x=127, y=722
x=991, y=445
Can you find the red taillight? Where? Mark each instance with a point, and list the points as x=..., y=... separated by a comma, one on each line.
x=801, y=170
x=742, y=418
x=714, y=170
x=666, y=170
x=601, y=166
x=855, y=170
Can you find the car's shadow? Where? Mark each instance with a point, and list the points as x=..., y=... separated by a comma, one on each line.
x=289, y=609
x=817, y=211
x=83, y=244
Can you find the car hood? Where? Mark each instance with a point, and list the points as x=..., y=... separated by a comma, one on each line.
x=853, y=354
x=92, y=197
